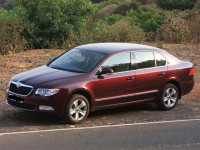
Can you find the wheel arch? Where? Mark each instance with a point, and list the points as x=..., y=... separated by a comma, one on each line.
x=84, y=93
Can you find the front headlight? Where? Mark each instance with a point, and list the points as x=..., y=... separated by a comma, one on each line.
x=46, y=92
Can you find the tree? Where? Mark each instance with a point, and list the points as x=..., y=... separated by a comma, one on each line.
x=50, y=22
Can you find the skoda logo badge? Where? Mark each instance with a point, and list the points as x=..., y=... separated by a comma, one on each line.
x=18, y=84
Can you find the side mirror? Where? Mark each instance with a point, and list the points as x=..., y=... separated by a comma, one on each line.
x=105, y=70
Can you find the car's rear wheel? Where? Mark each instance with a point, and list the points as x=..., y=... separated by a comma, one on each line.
x=77, y=109
x=169, y=97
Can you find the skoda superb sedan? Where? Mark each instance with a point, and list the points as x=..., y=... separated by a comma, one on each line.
x=99, y=76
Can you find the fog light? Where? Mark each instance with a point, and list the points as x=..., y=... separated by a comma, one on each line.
x=49, y=108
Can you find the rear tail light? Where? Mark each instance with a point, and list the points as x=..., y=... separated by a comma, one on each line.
x=191, y=72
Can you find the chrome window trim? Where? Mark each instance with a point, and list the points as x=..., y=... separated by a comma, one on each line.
x=128, y=95
x=24, y=85
x=119, y=72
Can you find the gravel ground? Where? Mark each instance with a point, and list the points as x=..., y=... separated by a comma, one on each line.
x=16, y=120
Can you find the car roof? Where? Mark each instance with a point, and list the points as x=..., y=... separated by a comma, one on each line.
x=109, y=48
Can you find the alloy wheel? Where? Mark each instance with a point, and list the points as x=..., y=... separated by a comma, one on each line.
x=78, y=110
x=170, y=97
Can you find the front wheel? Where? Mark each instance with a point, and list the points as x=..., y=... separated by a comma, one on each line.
x=77, y=109
x=169, y=97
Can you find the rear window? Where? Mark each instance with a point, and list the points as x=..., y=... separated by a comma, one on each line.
x=144, y=60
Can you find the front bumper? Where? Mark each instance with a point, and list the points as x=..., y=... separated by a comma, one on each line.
x=55, y=103
x=20, y=105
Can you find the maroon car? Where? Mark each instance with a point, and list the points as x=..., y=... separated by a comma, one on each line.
x=98, y=76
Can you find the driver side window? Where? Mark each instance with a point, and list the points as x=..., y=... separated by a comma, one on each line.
x=119, y=63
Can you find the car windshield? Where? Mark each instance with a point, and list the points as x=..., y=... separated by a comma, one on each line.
x=77, y=60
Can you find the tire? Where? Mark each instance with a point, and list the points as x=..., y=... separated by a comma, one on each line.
x=77, y=109
x=169, y=97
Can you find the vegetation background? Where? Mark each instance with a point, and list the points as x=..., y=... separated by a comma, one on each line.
x=27, y=24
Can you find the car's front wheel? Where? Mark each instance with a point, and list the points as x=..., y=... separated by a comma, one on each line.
x=169, y=97
x=77, y=109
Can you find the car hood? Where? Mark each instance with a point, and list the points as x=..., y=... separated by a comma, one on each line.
x=45, y=76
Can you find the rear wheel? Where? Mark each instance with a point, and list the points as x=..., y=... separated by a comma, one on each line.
x=169, y=97
x=77, y=109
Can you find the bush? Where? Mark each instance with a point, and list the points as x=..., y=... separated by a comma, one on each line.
x=192, y=19
x=197, y=5
x=145, y=2
x=51, y=22
x=108, y=9
x=176, y=4
x=112, y=19
x=194, y=28
x=121, y=31
x=98, y=1
x=9, y=4
x=11, y=28
x=89, y=33
x=123, y=8
x=149, y=19
x=173, y=30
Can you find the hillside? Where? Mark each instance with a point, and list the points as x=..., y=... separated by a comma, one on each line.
x=65, y=24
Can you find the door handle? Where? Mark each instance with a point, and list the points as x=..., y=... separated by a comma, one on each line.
x=161, y=73
x=130, y=78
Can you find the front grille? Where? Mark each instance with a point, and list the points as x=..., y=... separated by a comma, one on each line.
x=20, y=89
x=23, y=106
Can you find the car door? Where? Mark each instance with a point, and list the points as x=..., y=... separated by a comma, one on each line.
x=149, y=74
x=115, y=88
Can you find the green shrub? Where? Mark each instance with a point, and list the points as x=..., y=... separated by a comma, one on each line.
x=51, y=22
x=89, y=33
x=11, y=28
x=173, y=30
x=123, y=8
x=121, y=31
x=112, y=19
x=99, y=31
x=98, y=1
x=147, y=18
x=176, y=4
